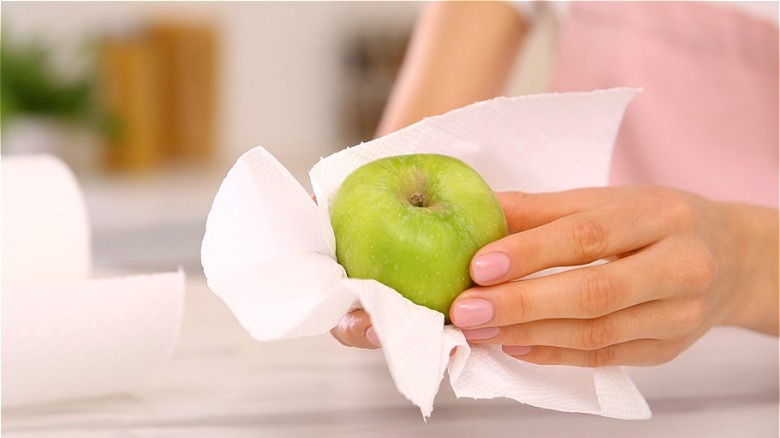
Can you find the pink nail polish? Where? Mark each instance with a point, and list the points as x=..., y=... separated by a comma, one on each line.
x=472, y=312
x=481, y=334
x=516, y=350
x=372, y=337
x=489, y=267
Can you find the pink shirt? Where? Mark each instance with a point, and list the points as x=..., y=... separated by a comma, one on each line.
x=707, y=120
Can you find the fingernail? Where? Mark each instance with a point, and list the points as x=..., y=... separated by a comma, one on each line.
x=516, y=350
x=488, y=267
x=372, y=337
x=480, y=334
x=471, y=312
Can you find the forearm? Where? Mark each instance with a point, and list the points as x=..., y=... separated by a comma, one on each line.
x=461, y=52
x=753, y=233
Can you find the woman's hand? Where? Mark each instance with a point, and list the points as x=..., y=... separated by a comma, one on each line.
x=679, y=264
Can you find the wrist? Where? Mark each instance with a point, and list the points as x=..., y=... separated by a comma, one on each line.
x=751, y=256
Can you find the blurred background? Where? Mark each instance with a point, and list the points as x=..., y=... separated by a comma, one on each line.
x=150, y=103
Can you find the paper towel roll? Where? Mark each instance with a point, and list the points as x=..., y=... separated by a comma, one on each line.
x=45, y=230
x=65, y=336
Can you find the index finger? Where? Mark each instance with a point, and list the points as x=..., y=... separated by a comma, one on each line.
x=524, y=210
x=612, y=228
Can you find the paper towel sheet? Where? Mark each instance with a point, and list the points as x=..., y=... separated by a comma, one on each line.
x=80, y=339
x=269, y=251
x=66, y=336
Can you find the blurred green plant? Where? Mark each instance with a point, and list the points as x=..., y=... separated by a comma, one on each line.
x=31, y=86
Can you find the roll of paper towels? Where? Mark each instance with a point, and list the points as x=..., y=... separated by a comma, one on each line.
x=66, y=336
x=45, y=230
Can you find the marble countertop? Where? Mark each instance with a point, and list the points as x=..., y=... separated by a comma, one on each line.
x=220, y=383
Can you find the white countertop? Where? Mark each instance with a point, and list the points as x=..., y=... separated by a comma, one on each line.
x=220, y=383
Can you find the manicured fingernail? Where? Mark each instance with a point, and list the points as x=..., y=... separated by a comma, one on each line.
x=472, y=312
x=372, y=337
x=488, y=267
x=480, y=334
x=516, y=350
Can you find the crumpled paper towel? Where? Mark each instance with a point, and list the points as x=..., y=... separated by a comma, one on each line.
x=269, y=251
x=66, y=336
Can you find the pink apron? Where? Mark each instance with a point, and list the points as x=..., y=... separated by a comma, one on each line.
x=707, y=120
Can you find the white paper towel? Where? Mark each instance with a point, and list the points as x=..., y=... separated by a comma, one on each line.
x=65, y=336
x=269, y=251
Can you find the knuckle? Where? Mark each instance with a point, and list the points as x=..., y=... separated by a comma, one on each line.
x=602, y=357
x=589, y=240
x=597, y=334
x=599, y=295
x=518, y=334
x=693, y=314
x=701, y=272
x=519, y=311
x=677, y=205
x=556, y=356
x=704, y=272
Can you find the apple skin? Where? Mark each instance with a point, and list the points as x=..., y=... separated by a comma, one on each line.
x=413, y=222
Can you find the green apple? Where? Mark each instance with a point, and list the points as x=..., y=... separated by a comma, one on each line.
x=413, y=222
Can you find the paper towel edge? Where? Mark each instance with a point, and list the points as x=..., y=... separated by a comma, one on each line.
x=628, y=92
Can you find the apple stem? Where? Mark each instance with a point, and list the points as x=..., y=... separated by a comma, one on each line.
x=417, y=199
